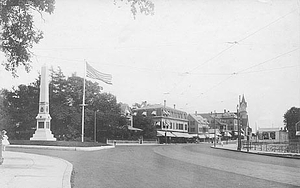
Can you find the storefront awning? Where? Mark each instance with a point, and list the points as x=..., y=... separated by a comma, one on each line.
x=182, y=135
x=133, y=129
x=199, y=136
x=163, y=133
x=213, y=136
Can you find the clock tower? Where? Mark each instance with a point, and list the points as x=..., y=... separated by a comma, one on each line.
x=243, y=113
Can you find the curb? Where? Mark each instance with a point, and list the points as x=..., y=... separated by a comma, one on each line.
x=66, y=182
x=62, y=148
x=66, y=179
x=63, y=180
x=283, y=155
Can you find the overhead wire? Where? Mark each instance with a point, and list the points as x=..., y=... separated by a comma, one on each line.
x=232, y=44
x=276, y=57
x=243, y=71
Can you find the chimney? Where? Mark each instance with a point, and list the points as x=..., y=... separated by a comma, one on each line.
x=174, y=106
x=195, y=112
x=224, y=110
x=165, y=103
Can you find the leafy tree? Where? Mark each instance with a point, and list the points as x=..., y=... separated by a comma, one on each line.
x=143, y=6
x=4, y=117
x=18, y=31
x=138, y=105
x=19, y=34
x=291, y=117
x=66, y=98
x=146, y=124
x=65, y=116
x=110, y=123
x=20, y=108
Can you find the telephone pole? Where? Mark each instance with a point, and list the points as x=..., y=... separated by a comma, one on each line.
x=239, y=128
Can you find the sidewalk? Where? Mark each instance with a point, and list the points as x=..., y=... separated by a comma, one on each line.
x=24, y=170
x=233, y=147
x=96, y=148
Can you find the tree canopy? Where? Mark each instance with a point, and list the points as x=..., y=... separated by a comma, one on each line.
x=146, y=124
x=18, y=33
x=291, y=117
x=20, y=107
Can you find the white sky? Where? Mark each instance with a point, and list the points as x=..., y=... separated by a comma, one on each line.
x=184, y=53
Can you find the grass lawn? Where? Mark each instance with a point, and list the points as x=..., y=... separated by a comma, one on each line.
x=57, y=143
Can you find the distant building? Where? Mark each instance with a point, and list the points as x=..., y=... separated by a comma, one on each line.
x=272, y=135
x=225, y=122
x=171, y=124
x=198, y=126
x=127, y=113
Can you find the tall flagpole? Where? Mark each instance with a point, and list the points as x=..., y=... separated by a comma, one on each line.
x=83, y=104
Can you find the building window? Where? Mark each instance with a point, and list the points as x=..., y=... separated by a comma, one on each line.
x=200, y=130
x=272, y=135
x=185, y=127
x=180, y=126
x=192, y=129
x=265, y=135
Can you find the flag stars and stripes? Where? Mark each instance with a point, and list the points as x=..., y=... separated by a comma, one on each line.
x=94, y=74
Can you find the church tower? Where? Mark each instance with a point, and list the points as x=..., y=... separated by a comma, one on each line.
x=243, y=113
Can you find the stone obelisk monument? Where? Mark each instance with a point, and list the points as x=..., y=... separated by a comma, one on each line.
x=43, y=118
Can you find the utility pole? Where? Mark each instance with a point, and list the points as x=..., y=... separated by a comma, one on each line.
x=248, y=136
x=95, y=127
x=239, y=129
x=215, y=128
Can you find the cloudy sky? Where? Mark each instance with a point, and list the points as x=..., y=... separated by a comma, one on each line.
x=199, y=55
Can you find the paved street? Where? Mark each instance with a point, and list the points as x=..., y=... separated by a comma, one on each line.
x=177, y=166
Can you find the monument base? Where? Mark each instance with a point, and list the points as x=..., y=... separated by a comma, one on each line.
x=43, y=134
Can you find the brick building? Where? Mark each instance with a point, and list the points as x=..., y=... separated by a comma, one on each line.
x=171, y=124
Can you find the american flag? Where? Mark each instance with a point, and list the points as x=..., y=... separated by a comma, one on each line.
x=93, y=73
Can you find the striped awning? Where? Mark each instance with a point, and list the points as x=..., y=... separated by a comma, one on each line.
x=198, y=135
x=182, y=135
x=163, y=133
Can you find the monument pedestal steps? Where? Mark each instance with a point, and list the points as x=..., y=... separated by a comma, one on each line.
x=41, y=134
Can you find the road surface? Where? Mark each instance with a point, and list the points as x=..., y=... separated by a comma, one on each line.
x=191, y=165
